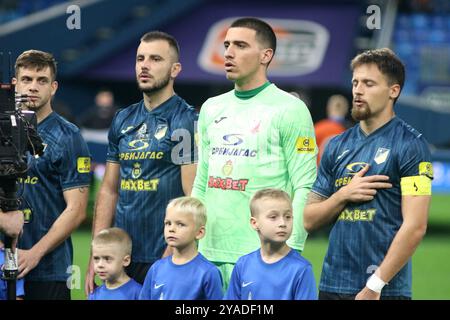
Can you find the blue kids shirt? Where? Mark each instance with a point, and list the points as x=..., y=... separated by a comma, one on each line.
x=290, y=278
x=197, y=279
x=127, y=291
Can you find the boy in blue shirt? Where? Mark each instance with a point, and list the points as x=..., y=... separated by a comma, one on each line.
x=275, y=271
x=186, y=274
x=111, y=253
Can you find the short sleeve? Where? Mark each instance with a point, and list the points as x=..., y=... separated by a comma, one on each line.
x=234, y=288
x=213, y=284
x=415, y=159
x=324, y=183
x=113, y=141
x=74, y=162
x=146, y=291
x=306, y=285
x=185, y=151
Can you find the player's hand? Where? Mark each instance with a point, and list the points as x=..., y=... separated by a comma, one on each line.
x=89, y=283
x=361, y=188
x=367, y=294
x=28, y=260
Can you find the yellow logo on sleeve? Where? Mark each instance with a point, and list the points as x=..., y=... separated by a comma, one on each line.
x=84, y=164
x=426, y=169
x=305, y=145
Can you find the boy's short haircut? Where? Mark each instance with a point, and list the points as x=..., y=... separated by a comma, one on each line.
x=114, y=236
x=192, y=206
x=271, y=193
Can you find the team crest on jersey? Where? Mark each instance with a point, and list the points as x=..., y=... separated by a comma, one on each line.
x=381, y=155
x=136, y=173
x=160, y=131
x=227, y=169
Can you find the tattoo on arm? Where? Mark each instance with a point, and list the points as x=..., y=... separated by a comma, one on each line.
x=314, y=198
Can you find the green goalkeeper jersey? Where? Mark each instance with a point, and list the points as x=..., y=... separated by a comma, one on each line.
x=266, y=141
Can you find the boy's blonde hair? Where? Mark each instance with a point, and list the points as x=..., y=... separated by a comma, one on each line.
x=271, y=193
x=114, y=236
x=192, y=206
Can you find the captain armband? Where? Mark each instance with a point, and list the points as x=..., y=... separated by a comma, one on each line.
x=416, y=186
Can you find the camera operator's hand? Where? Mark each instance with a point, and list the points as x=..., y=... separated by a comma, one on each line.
x=11, y=223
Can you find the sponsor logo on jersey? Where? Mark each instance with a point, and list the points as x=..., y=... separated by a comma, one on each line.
x=381, y=155
x=355, y=167
x=141, y=155
x=27, y=215
x=84, y=164
x=139, y=144
x=246, y=284
x=232, y=139
x=29, y=180
x=305, y=145
x=233, y=152
x=301, y=47
x=357, y=215
x=160, y=131
x=139, y=185
x=227, y=183
x=136, y=172
x=426, y=169
x=227, y=169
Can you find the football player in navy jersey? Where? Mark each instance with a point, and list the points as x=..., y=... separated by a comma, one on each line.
x=374, y=184
x=151, y=156
x=56, y=186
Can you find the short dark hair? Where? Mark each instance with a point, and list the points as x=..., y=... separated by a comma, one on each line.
x=386, y=61
x=264, y=32
x=159, y=35
x=36, y=59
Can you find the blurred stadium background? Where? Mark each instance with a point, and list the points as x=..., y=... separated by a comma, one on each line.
x=317, y=39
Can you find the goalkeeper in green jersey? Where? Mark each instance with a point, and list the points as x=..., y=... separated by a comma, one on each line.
x=251, y=138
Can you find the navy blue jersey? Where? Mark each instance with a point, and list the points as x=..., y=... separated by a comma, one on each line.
x=150, y=147
x=363, y=232
x=3, y=287
x=197, y=279
x=65, y=165
x=127, y=291
x=290, y=278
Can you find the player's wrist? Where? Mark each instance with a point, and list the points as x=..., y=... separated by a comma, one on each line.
x=375, y=283
x=341, y=196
